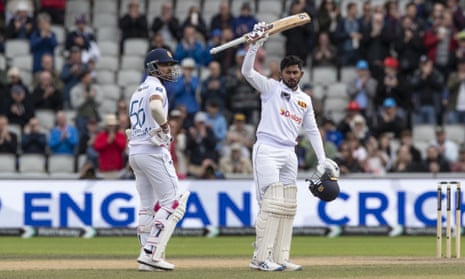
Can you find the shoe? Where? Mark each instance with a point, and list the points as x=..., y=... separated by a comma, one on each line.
x=160, y=264
x=146, y=268
x=288, y=266
x=267, y=265
x=254, y=265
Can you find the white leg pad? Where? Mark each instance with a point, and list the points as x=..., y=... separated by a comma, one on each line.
x=267, y=224
x=164, y=226
x=284, y=237
x=145, y=224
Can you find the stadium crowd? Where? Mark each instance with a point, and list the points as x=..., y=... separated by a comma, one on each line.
x=387, y=80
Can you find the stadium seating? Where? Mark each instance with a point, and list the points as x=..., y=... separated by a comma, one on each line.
x=16, y=47
x=324, y=75
x=8, y=165
x=32, y=164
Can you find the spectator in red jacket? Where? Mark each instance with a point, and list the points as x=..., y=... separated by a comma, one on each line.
x=110, y=144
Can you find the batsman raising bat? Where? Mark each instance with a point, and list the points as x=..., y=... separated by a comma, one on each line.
x=286, y=109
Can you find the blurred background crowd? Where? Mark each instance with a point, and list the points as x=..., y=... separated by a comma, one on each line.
x=387, y=80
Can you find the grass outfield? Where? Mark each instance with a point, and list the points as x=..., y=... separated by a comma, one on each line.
x=226, y=257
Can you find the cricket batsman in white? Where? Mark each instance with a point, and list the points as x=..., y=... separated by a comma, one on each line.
x=161, y=205
x=286, y=109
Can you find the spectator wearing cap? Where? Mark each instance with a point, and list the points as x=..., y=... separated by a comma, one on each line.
x=245, y=21
x=213, y=41
x=427, y=88
x=240, y=131
x=362, y=89
x=298, y=41
x=393, y=85
x=440, y=42
x=63, y=138
x=186, y=88
x=389, y=120
x=235, y=162
x=45, y=95
x=455, y=101
x=8, y=139
x=190, y=47
x=242, y=97
x=43, y=41
x=110, y=144
x=324, y=53
x=33, y=140
x=83, y=38
x=86, y=97
x=216, y=121
x=195, y=19
x=167, y=24
x=224, y=18
x=21, y=25
x=14, y=78
x=201, y=147
x=71, y=72
x=446, y=148
x=408, y=42
x=55, y=8
x=353, y=109
x=19, y=107
x=133, y=24
x=348, y=36
x=214, y=87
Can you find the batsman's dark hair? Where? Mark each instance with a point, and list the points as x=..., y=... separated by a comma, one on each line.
x=291, y=60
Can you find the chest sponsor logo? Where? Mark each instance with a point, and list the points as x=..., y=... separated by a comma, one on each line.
x=292, y=116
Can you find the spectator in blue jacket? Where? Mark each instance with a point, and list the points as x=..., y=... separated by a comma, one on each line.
x=245, y=21
x=43, y=41
x=71, y=72
x=190, y=47
x=63, y=138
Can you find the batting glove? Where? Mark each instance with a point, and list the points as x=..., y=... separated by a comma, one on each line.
x=259, y=34
x=160, y=138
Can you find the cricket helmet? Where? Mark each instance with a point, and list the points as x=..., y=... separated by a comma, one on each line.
x=324, y=181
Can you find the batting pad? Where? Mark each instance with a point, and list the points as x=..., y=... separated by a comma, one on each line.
x=282, y=246
x=268, y=220
x=145, y=224
x=165, y=227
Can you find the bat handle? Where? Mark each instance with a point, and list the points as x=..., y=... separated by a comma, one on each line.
x=227, y=45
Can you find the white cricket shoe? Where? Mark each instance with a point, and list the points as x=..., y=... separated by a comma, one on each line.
x=288, y=266
x=160, y=264
x=267, y=265
x=146, y=268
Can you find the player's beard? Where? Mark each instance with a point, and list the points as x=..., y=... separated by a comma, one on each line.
x=291, y=83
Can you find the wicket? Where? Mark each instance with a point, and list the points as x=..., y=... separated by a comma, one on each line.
x=458, y=215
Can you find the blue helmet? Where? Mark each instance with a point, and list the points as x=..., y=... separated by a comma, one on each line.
x=324, y=181
x=158, y=56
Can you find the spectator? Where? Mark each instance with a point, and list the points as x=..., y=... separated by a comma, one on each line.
x=178, y=146
x=324, y=53
x=311, y=161
x=47, y=66
x=19, y=107
x=86, y=142
x=346, y=162
x=409, y=45
x=83, y=38
x=224, y=18
x=455, y=102
x=157, y=41
x=347, y=36
x=46, y=95
x=298, y=38
x=22, y=24
x=362, y=89
x=55, y=8
x=88, y=171
x=63, y=138
x=133, y=24
x=217, y=122
x=352, y=110
x=446, y=148
x=359, y=151
x=459, y=165
x=194, y=18
x=331, y=134
x=235, y=162
x=33, y=140
x=328, y=16
x=460, y=51
x=245, y=21
x=389, y=120
x=185, y=89
x=14, y=78
x=365, y=18
x=110, y=145
x=407, y=140
x=376, y=161
x=70, y=74
x=359, y=128
x=392, y=17
x=434, y=161
x=427, y=88
x=404, y=161
x=214, y=87
x=190, y=47
x=458, y=17
x=240, y=131
x=242, y=96
x=167, y=24
x=86, y=98
x=201, y=147
x=8, y=139
x=227, y=57
x=273, y=70
x=43, y=41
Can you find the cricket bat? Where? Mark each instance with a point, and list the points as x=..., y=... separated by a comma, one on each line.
x=271, y=28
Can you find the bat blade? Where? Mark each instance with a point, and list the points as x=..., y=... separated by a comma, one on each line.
x=274, y=27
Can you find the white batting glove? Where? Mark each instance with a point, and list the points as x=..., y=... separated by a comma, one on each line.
x=259, y=34
x=160, y=138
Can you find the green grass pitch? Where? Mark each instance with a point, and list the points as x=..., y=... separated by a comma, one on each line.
x=227, y=257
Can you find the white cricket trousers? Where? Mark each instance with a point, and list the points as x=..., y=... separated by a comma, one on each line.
x=273, y=165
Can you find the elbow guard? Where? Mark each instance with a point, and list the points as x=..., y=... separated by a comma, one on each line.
x=156, y=109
